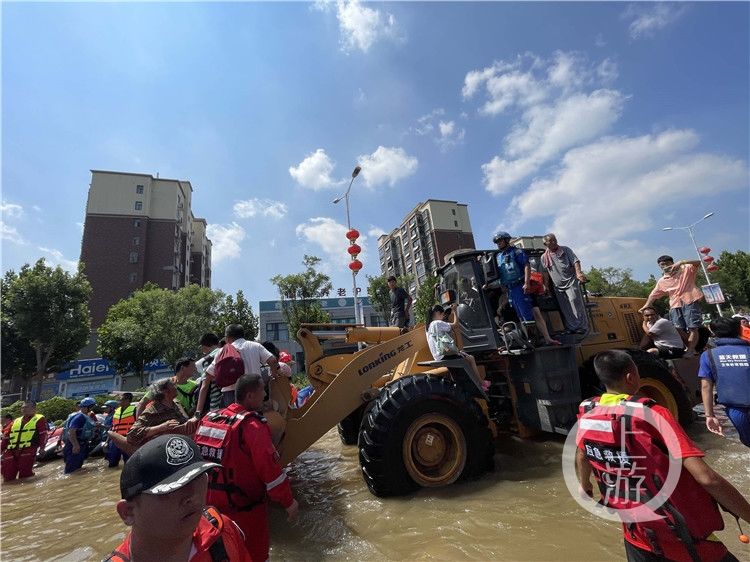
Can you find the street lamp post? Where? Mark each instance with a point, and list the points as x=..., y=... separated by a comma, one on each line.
x=689, y=229
x=345, y=196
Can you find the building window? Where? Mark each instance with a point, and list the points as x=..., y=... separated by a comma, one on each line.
x=455, y=223
x=139, y=205
x=454, y=212
x=139, y=189
x=133, y=277
x=137, y=223
x=133, y=257
x=136, y=241
x=277, y=331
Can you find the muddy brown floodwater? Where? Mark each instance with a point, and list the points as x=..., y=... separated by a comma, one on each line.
x=522, y=511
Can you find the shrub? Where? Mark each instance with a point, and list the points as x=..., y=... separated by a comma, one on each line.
x=13, y=409
x=56, y=408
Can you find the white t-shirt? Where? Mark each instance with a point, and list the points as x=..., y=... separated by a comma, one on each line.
x=665, y=334
x=253, y=356
x=437, y=328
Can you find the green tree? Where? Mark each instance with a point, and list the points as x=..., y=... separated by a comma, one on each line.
x=379, y=293
x=17, y=357
x=619, y=282
x=50, y=309
x=299, y=294
x=192, y=311
x=133, y=332
x=236, y=310
x=425, y=298
x=734, y=276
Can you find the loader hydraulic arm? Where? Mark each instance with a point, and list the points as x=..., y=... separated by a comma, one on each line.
x=342, y=381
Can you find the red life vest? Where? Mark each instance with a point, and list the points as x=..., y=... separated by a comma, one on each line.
x=219, y=437
x=217, y=539
x=631, y=467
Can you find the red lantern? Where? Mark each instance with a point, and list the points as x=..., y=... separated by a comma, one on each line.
x=708, y=259
x=352, y=234
x=354, y=250
x=355, y=265
x=704, y=250
x=712, y=267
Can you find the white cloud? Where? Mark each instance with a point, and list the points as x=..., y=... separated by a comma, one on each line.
x=387, y=165
x=225, y=241
x=314, y=171
x=561, y=104
x=450, y=135
x=11, y=210
x=10, y=233
x=55, y=257
x=648, y=18
x=330, y=237
x=547, y=130
x=261, y=207
x=599, y=40
x=608, y=192
x=361, y=26
x=445, y=133
x=376, y=232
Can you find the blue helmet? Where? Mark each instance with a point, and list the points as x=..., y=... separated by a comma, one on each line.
x=502, y=235
x=112, y=403
x=88, y=403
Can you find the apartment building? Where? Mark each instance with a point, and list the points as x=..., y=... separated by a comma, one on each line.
x=140, y=229
x=427, y=234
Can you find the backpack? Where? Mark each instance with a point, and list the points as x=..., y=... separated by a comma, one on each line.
x=228, y=366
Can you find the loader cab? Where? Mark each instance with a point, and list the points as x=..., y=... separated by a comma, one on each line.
x=460, y=280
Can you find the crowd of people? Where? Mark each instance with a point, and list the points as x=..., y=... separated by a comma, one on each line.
x=200, y=463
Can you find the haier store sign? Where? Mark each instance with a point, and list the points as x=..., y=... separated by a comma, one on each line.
x=98, y=368
x=87, y=368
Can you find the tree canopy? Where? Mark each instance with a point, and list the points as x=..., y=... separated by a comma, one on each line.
x=299, y=293
x=48, y=308
x=425, y=298
x=734, y=276
x=236, y=310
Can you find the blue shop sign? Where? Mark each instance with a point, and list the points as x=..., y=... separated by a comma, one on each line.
x=92, y=368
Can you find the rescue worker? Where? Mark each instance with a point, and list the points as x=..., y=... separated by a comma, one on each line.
x=122, y=420
x=27, y=433
x=163, y=490
x=727, y=367
x=79, y=429
x=109, y=411
x=7, y=423
x=630, y=459
x=514, y=275
x=239, y=438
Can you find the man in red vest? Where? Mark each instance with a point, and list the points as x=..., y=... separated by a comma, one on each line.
x=631, y=445
x=163, y=488
x=25, y=436
x=239, y=438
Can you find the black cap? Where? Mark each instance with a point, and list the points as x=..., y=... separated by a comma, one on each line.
x=161, y=466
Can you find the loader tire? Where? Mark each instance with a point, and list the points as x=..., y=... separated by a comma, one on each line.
x=349, y=426
x=423, y=431
x=658, y=384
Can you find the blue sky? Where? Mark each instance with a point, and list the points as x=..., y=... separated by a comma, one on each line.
x=602, y=122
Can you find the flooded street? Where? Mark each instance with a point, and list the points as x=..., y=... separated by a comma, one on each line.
x=522, y=511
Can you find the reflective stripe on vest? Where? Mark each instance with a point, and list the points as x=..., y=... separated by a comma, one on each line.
x=20, y=437
x=123, y=420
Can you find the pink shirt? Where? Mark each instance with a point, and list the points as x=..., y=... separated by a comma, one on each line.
x=680, y=288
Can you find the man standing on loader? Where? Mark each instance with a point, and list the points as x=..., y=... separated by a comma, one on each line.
x=514, y=275
x=678, y=282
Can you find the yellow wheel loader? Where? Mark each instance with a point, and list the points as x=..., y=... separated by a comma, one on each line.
x=424, y=423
